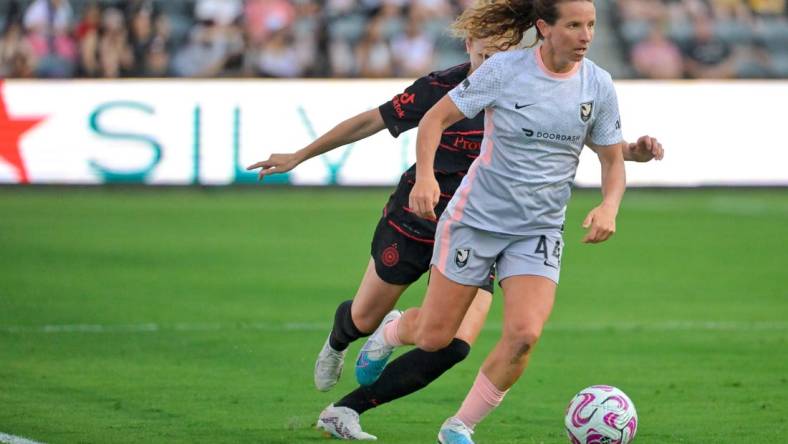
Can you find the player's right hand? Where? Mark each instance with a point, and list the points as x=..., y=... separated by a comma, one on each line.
x=276, y=163
x=645, y=149
x=600, y=223
x=424, y=197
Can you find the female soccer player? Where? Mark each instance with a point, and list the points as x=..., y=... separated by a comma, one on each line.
x=541, y=106
x=402, y=244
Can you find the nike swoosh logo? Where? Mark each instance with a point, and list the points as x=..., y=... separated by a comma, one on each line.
x=518, y=106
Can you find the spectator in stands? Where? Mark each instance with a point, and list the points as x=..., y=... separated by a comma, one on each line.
x=220, y=12
x=373, y=53
x=114, y=53
x=769, y=8
x=432, y=9
x=278, y=57
x=706, y=56
x=262, y=17
x=341, y=58
x=390, y=15
x=209, y=50
x=657, y=57
x=413, y=51
x=643, y=10
x=157, y=59
x=730, y=10
x=46, y=15
x=16, y=55
x=87, y=36
x=307, y=30
x=48, y=24
x=140, y=37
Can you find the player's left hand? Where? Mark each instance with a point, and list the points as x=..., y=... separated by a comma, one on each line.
x=600, y=223
x=275, y=164
x=645, y=149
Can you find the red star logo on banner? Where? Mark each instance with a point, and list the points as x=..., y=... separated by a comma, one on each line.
x=11, y=131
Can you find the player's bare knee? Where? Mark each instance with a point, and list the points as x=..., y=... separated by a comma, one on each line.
x=432, y=341
x=367, y=322
x=521, y=342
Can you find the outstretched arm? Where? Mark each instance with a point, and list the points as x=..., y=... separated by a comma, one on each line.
x=601, y=221
x=645, y=149
x=351, y=130
x=426, y=191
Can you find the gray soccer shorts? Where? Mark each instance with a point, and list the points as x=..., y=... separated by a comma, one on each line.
x=465, y=254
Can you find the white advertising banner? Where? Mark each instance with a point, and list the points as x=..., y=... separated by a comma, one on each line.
x=182, y=132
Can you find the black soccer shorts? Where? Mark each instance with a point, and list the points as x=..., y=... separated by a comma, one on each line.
x=400, y=259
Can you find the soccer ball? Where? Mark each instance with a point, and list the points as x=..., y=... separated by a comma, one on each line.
x=601, y=414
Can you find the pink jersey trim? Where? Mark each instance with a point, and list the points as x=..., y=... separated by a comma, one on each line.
x=486, y=158
x=444, y=245
x=555, y=75
x=489, y=128
x=465, y=189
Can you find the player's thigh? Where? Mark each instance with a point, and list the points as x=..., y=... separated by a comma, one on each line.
x=529, y=269
x=442, y=311
x=462, y=261
x=396, y=262
x=528, y=302
x=475, y=317
x=374, y=298
x=477, y=313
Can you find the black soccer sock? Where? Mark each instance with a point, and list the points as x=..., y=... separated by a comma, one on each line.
x=410, y=372
x=344, y=331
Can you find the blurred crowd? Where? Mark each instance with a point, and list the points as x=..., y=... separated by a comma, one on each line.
x=704, y=38
x=357, y=38
x=215, y=38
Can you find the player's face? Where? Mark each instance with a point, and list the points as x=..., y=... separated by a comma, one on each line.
x=570, y=37
x=478, y=51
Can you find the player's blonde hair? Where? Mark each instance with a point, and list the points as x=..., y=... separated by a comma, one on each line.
x=504, y=22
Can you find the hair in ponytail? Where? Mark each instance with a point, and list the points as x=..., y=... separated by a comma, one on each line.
x=505, y=22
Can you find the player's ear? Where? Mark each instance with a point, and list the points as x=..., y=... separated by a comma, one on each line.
x=543, y=27
x=468, y=44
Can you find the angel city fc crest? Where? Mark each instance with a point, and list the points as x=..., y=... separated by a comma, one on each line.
x=461, y=259
x=586, y=108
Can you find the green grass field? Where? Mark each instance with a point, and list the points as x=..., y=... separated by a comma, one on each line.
x=183, y=316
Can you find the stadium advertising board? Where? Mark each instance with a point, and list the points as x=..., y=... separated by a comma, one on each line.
x=182, y=132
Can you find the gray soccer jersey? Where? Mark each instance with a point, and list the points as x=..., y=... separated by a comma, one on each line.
x=536, y=124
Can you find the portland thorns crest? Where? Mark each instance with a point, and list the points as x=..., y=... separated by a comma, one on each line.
x=461, y=259
x=390, y=256
x=585, y=111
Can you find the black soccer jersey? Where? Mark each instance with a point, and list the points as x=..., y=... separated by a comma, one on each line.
x=458, y=148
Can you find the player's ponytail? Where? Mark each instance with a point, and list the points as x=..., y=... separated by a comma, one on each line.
x=504, y=22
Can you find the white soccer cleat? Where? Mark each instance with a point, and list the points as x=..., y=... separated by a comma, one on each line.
x=454, y=431
x=342, y=423
x=375, y=353
x=328, y=367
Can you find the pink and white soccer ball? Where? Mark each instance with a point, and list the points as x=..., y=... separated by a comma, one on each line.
x=601, y=414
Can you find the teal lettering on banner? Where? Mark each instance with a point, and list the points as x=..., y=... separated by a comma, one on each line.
x=404, y=150
x=241, y=175
x=108, y=175
x=196, y=146
x=333, y=167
